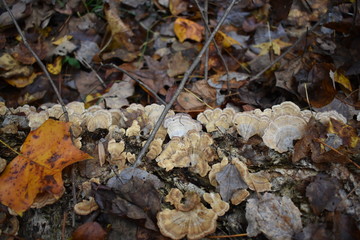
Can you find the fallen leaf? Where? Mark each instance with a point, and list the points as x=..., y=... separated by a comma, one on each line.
x=156, y=77
x=89, y=230
x=45, y=153
x=322, y=194
x=64, y=48
x=314, y=231
x=177, y=65
x=10, y=67
x=340, y=78
x=189, y=100
x=225, y=40
x=186, y=29
x=119, y=91
x=318, y=88
x=55, y=68
x=276, y=45
x=19, y=10
x=132, y=194
x=62, y=39
x=276, y=217
x=279, y=10
x=345, y=227
x=120, y=32
x=347, y=133
x=87, y=82
x=230, y=181
x=21, y=82
x=311, y=143
x=177, y=6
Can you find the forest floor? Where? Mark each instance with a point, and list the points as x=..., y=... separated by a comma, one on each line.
x=260, y=100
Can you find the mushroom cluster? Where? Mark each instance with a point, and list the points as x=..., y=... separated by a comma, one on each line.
x=217, y=119
x=190, y=217
x=193, y=150
x=280, y=125
x=188, y=147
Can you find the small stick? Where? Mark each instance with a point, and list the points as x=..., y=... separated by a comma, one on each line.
x=206, y=22
x=203, y=15
x=84, y=62
x=181, y=86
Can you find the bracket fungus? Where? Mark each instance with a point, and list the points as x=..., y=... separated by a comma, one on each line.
x=98, y=119
x=281, y=132
x=217, y=205
x=285, y=108
x=255, y=181
x=133, y=130
x=239, y=196
x=36, y=119
x=155, y=148
x=86, y=207
x=217, y=119
x=179, y=124
x=116, y=150
x=324, y=117
x=193, y=150
x=248, y=124
x=280, y=125
x=55, y=111
x=75, y=108
x=195, y=220
x=3, y=109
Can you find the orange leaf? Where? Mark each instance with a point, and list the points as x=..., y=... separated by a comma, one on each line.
x=186, y=29
x=45, y=153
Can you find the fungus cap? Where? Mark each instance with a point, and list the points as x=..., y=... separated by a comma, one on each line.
x=281, y=132
x=179, y=124
x=219, y=206
x=86, y=207
x=98, y=119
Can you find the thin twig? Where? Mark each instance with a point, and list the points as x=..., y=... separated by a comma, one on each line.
x=215, y=44
x=181, y=86
x=38, y=60
x=86, y=64
x=206, y=23
x=137, y=80
x=289, y=49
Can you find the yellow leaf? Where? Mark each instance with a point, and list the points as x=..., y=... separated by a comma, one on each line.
x=186, y=29
x=56, y=67
x=276, y=45
x=343, y=80
x=225, y=40
x=61, y=40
